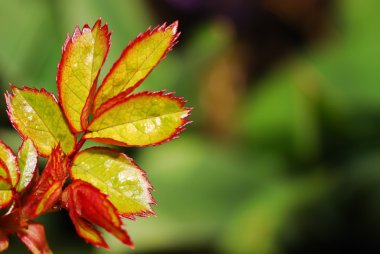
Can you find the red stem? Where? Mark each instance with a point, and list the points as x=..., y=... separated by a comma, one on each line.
x=79, y=145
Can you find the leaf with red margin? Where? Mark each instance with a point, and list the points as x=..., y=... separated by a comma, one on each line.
x=48, y=189
x=85, y=201
x=6, y=198
x=140, y=120
x=135, y=63
x=27, y=158
x=87, y=231
x=35, y=114
x=5, y=178
x=9, y=159
x=117, y=176
x=82, y=58
x=34, y=238
x=4, y=243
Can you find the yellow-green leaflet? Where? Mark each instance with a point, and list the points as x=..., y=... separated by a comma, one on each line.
x=140, y=120
x=9, y=159
x=6, y=197
x=36, y=115
x=27, y=161
x=82, y=57
x=136, y=62
x=115, y=175
x=4, y=177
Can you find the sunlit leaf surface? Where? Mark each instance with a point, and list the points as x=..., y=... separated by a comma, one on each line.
x=82, y=57
x=117, y=176
x=27, y=161
x=140, y=120
x=9, y=159
x=36, y=115
x=136, y=62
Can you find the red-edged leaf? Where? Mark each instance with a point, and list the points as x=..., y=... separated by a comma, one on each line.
x=87, y=231
x=34, y=238
x=4, y=243
x=10, y=161
x=135, y=63
x=48, y=189
x=6, y=198
x=9, y=167
x=5, y=178
x=82, y=58
x=140, y=120
x=118, y=177
x=35, y=114
x=85, y=201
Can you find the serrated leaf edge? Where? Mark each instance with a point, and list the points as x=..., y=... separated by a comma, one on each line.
x=139, y=38
x=15, y=161
x=69, y=40
x=143, y=173
x=9, y=96
x=174, y=135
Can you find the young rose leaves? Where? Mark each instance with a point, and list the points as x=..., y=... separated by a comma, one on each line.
x=48, y=189
x=36, y=115
x=117, y=176
x=34, y=238
x=82, y=58
x=140, y=120
x=27, y=161
x=86, y=204
x=9, y=159
x=135, y=63
x=10, y=171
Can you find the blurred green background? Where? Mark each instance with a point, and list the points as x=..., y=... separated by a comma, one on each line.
x=283, y=155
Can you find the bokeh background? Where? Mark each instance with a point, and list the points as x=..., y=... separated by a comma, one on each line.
x=283, y=155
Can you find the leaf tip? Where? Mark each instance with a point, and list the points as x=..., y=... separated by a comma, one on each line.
x=173, y=26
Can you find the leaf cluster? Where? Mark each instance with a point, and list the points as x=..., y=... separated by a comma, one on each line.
x=98, y=186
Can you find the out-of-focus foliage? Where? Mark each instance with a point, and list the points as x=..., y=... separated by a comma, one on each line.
x=284, y=162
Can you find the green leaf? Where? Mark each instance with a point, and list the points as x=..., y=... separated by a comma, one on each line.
x=36, y=115
x=136, y=62
x=5, y=181
x=82, y=57
x=27, y=161
x=117, y=176
x=6, y=197
x=140, y=120
x=9, y=159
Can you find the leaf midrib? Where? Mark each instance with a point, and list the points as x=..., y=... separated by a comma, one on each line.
x=133, y=75
x=140, y=120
